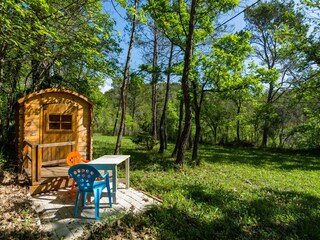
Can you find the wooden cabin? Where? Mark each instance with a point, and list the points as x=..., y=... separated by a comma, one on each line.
x=51, y=123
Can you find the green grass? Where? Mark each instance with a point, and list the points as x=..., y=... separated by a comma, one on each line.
x=234, y=194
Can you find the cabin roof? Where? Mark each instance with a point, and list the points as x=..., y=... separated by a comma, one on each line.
x=53, y=90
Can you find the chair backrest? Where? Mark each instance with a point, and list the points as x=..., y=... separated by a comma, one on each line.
x=73, y=158
x=84, y=175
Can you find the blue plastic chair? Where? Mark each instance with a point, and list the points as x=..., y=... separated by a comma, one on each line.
x=85, y=176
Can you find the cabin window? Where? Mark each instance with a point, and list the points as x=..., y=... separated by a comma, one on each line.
x=60, y=122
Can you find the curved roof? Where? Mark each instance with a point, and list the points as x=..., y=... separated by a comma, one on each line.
x=53, y=90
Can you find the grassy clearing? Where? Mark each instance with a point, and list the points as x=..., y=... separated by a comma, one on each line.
x=234, y=194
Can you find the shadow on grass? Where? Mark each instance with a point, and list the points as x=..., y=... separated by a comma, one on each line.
x=221, y=214
x=287, y=160
x=277, y=215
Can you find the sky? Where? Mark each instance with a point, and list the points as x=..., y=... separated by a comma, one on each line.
x=119, y=14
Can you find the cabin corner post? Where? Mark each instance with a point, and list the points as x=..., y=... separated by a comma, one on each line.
x=90, y=141
x=24, y=164
x=39, y=162
x=33, y=164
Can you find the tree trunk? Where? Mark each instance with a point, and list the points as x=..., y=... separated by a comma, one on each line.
x=154, y=84
x=265, y=134
x=124, y=86
x=163, y=121
x=116, y=120
x=3, y=48
x=266, y=122
x=174, y=153
x=198, y=126
x=133, y=106
x=186, y=88
x=215, y=128
x=281, y=135
x=227, y=135
x=189, y=144
x=2, y=61
x=238, y=121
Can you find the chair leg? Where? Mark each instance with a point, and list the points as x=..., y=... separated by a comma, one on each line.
x=96, y=195
x=76, y=205
x=109, y=192
x=84, y=198
x=72, y=188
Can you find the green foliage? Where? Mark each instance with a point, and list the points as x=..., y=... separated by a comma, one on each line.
x=276, y=29
x=268, y=76
x=143, y=138
x=2, y=160
x=172, y=120
x=308, y=132
x=310, y=46
x=173, y=18
x=223, y=67
x=218, y=117
x=56, y=34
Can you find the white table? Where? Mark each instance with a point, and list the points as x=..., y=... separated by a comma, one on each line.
x=110, y=162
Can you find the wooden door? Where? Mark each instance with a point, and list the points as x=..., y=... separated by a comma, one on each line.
x=59, y=125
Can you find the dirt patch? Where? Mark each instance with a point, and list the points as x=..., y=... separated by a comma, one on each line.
x=18, y=219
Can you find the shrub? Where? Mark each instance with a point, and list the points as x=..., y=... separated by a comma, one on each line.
x=143, y=138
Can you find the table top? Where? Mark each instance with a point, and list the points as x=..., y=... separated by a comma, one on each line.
x=109, y=159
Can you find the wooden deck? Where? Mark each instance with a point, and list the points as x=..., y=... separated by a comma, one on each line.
x=52, y=178
x=44, y=174
x=50, y=172
x=56, y=211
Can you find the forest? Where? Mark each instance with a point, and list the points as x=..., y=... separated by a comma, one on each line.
x=199, y=82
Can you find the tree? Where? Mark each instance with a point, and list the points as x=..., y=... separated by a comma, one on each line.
x=306, y=132
x=136, y=88
x=154, y=84
x=124, y=86
x=163, y=121
x=311, y=12
x=274, y=24
x=240, y=97
x=222, y=71
x=193, y=25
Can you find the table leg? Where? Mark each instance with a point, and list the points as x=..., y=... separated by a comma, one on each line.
x=127, y=173
x=114, y=184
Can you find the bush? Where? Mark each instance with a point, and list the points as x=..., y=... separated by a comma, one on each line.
x=143, y=138
x=2, y=160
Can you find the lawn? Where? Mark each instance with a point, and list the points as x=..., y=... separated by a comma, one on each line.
x=235, y=193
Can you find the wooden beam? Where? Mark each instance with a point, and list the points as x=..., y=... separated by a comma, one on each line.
x=53, y=162
x=58, y=144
